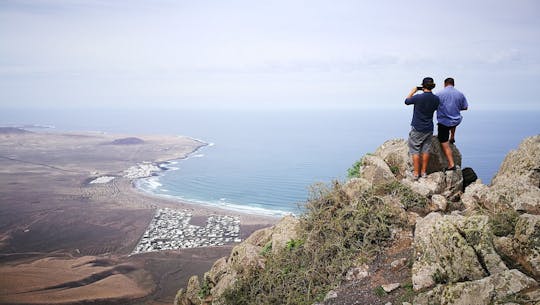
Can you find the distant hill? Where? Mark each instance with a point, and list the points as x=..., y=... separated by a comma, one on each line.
x=12, y=130
x=128, y=141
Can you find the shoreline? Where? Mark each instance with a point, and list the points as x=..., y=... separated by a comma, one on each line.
x=225, y=208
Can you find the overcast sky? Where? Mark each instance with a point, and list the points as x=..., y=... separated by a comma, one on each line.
x=261, y=54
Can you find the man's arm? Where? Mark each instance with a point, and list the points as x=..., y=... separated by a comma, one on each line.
x=464, y=104
x=408, y=98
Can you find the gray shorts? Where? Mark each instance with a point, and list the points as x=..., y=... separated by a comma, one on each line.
x=419, y=142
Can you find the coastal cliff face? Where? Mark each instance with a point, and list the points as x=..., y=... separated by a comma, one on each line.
x=382, y=238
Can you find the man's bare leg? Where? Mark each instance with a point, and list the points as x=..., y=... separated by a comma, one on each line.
x=452, y=134
x=416, y=165
x=448, y=153
x=425, y=160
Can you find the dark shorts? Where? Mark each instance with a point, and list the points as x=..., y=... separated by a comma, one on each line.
x=419, y=142
x=443, y=132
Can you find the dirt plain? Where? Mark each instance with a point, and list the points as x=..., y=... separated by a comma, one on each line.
x=66, y=241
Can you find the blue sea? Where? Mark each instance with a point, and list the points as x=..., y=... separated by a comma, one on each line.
x=264, y=161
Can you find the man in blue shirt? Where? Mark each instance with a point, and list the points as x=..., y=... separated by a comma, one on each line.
x=448, y=116
x=421, y=132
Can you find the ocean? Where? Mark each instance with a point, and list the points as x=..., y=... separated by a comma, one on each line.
x=265, y=161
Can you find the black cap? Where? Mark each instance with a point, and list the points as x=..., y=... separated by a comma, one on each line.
x=428, y=83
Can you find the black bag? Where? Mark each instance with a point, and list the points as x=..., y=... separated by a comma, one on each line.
x=469, y=176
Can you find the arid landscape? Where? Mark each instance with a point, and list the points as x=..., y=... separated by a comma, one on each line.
x=64, y=240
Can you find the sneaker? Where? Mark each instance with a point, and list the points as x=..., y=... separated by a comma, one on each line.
x=453, y=168
x=424, y=175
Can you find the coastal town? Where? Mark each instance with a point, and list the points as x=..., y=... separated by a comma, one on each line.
x=171, y=229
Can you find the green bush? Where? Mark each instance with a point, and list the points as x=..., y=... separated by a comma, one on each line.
x=205, y=290
x=354, y=170
x=336, y=231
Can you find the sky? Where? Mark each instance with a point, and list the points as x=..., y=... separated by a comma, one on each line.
x=265, y=54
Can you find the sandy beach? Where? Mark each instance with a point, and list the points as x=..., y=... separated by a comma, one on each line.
x=70, y=219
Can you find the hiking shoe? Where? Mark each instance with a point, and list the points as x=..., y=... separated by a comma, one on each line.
x=453, y=168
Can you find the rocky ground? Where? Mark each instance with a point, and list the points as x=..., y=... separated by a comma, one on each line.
x=474, y=245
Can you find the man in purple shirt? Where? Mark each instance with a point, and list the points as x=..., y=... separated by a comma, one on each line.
x=452, y=102
x=425, y=105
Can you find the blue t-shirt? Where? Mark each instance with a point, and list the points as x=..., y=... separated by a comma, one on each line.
x=425, y=105
x=451, y=103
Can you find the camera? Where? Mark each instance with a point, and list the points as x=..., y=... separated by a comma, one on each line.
x=419, y=87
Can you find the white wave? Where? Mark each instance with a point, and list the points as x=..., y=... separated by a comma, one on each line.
x=254, y=210
x=152, y=183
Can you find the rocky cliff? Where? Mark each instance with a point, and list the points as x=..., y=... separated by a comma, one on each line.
x=382, y=238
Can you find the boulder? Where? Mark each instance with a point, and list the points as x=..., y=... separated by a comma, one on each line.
x=476, y=197
x=437, y=159
x=453, y=248
x=260, y=237
x=390, y=287
x=479, y=235
x=518, y=178
x=218, y=270
x=449, y=184
x=396, y=154
x=181, y=299
x=433, y=184
x=439, y=202
x=375, y=170
x=494, y=289
x=524, y=247
x=192, y=291
x=525, y=161
x=227, y=281
x=245, y=256
x=284, y=231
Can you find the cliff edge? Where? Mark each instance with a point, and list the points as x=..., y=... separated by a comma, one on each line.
x=383, y=238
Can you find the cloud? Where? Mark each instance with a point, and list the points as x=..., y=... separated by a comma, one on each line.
x=243, y=50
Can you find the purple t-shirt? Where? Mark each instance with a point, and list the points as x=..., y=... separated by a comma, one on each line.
x=425, y=105
x=451, y=103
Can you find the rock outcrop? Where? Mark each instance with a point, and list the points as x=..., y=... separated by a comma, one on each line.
x=487, y=253
x=494, y=289
x=245, y=256
x=480, y=246
x=396, y=154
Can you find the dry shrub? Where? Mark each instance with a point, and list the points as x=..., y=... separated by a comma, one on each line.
x=336, y=231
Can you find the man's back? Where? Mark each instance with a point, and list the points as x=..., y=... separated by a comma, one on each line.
x=425, y=105
x=451, y=103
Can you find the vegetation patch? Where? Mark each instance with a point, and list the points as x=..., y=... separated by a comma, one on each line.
x=354, y=170
x=503, y=222
x=205, y=290
x=337, y=232
x=407, y=197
